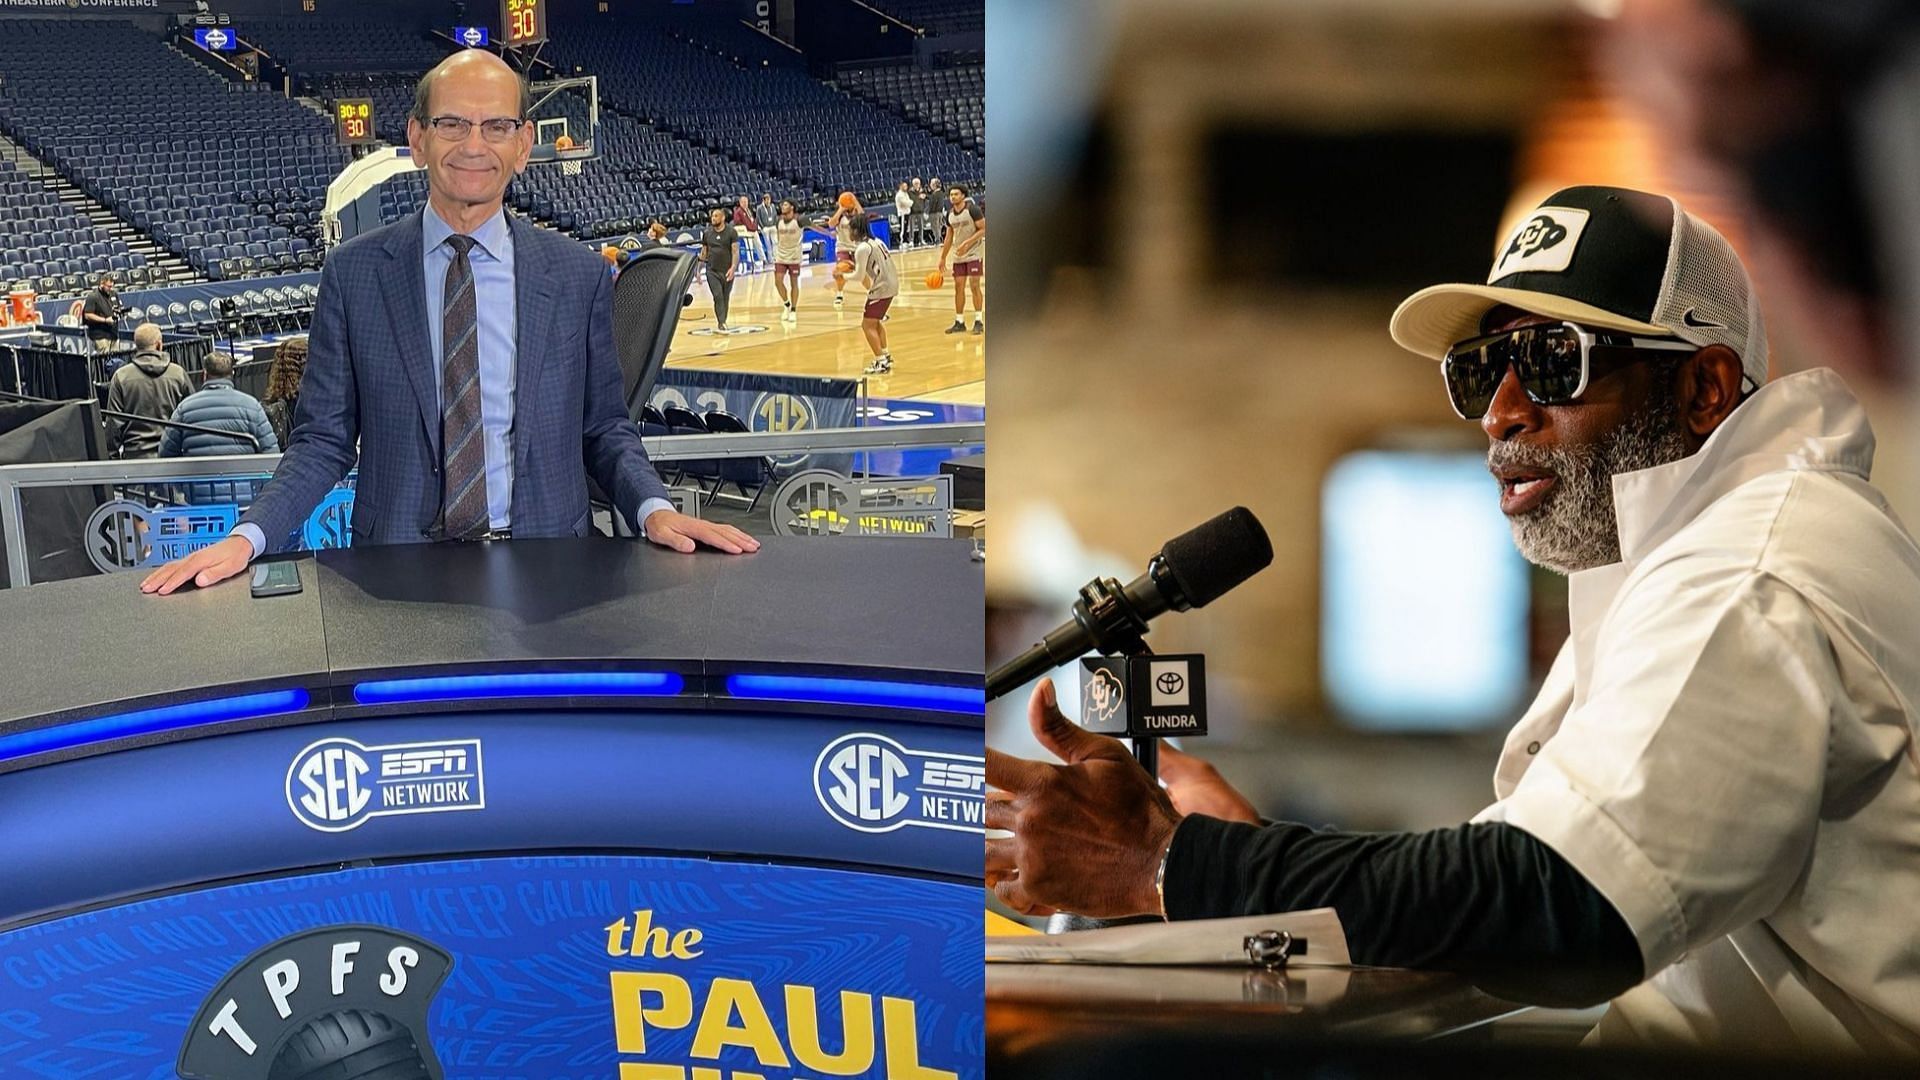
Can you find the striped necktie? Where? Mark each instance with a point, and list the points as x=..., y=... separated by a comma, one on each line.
x=463, y=505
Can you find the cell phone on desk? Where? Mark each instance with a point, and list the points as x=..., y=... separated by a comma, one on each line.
x=276, y=579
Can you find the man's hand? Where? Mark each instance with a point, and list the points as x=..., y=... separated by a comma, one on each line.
x=1087, y=835
x=1197, y=788
x=729, y=273
x=216, y=562
x=673, y=529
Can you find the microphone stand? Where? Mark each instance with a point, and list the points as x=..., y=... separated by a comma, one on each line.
x=1124, y=635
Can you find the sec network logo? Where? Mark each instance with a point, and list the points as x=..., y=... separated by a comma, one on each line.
x=872, y=784
x=337, y=784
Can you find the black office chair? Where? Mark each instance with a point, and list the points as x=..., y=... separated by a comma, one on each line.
x=741, y=472
x=647, y=299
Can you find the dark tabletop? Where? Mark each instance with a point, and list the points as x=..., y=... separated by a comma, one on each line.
x=1081, y=1020
x=871, y=605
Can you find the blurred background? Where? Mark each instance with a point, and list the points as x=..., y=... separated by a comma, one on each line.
x=1206, y=213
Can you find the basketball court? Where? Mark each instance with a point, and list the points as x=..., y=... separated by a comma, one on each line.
x=929, y=365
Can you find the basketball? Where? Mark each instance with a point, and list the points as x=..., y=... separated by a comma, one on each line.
x=564, y=142
x=848, y=202
x=935, y=279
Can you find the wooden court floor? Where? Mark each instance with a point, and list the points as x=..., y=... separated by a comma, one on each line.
x=928, y=364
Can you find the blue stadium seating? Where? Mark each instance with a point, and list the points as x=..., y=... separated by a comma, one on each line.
x=950, y=102
x=41, y=238
x=203, y=165
x=696, y=109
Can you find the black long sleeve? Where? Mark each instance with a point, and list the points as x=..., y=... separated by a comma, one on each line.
x=1489, y=901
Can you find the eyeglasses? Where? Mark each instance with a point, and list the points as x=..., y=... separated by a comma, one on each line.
x=456, y=128
x=1553, y=361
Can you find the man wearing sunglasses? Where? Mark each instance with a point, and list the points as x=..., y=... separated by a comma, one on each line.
x=1709, y=811
x=466, y=359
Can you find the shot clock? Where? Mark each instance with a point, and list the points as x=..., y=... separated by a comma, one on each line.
x=524, y=22
x=354, y=117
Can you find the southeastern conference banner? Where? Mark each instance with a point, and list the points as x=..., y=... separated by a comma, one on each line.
x=538, y=967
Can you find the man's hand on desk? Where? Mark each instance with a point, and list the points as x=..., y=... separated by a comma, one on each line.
x=1196, y=787
x=1087, y=835
x=673, y=529
x=216, y=562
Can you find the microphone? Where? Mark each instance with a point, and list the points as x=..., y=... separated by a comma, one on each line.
x=1189, y=571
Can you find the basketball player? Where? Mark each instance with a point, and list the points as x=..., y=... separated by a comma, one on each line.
x=719, y=245
x=967, y=240
x=874, y=265
x=841, y=222
x=787, y=256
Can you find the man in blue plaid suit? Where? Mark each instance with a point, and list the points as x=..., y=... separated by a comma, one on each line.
x=466, y=359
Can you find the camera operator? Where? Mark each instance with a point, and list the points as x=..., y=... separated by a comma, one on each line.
x=102, y=315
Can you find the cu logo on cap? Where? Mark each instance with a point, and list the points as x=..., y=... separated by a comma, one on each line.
x=1536, y=236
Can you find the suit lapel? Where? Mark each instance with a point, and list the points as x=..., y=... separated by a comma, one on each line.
x=408, y=309
x=533, y=293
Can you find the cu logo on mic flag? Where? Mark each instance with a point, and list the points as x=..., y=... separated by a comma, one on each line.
x=1144, y=697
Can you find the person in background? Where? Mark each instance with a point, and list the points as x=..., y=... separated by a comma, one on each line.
x=767, y=216
x=873, y=265
x=902, y=214
x=219, y=404
x=788, y=254
x=845, y=209
x=283, y=387
x=936, y=211
x=101, y=314
x=719, y=245
x=748, y=229
x=148, y=385
x=966, y=244
x=922, y=223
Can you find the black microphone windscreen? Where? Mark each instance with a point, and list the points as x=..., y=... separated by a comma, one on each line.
x=1216, y=555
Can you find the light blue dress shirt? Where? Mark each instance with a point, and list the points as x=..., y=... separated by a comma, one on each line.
x=491, y=262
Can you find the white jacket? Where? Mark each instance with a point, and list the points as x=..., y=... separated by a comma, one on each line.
x=1725, y=745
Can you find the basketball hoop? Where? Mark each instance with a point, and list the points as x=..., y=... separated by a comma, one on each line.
x=571, y=167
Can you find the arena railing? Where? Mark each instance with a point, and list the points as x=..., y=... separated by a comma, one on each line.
x=184, y=482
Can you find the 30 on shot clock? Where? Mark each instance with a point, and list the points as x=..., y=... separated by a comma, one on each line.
x=524, y=22
x=354, y=117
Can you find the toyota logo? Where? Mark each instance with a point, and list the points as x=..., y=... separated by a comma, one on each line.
x=1169, y=683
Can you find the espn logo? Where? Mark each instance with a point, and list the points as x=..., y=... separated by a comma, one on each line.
x=337, y=784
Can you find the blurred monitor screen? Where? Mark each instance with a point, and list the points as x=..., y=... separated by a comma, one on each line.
x=1385, y=210
x=1425, y=600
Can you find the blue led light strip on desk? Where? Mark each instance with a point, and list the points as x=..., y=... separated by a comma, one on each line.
x=148, y=721
x=898, y=695
x=525, y=685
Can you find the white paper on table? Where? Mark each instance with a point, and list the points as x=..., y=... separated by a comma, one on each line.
x=1195, y=941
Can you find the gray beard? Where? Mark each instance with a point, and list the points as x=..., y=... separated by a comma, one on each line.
x=1575, y=528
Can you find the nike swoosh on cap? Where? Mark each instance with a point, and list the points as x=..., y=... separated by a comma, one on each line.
x=1700, y=324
